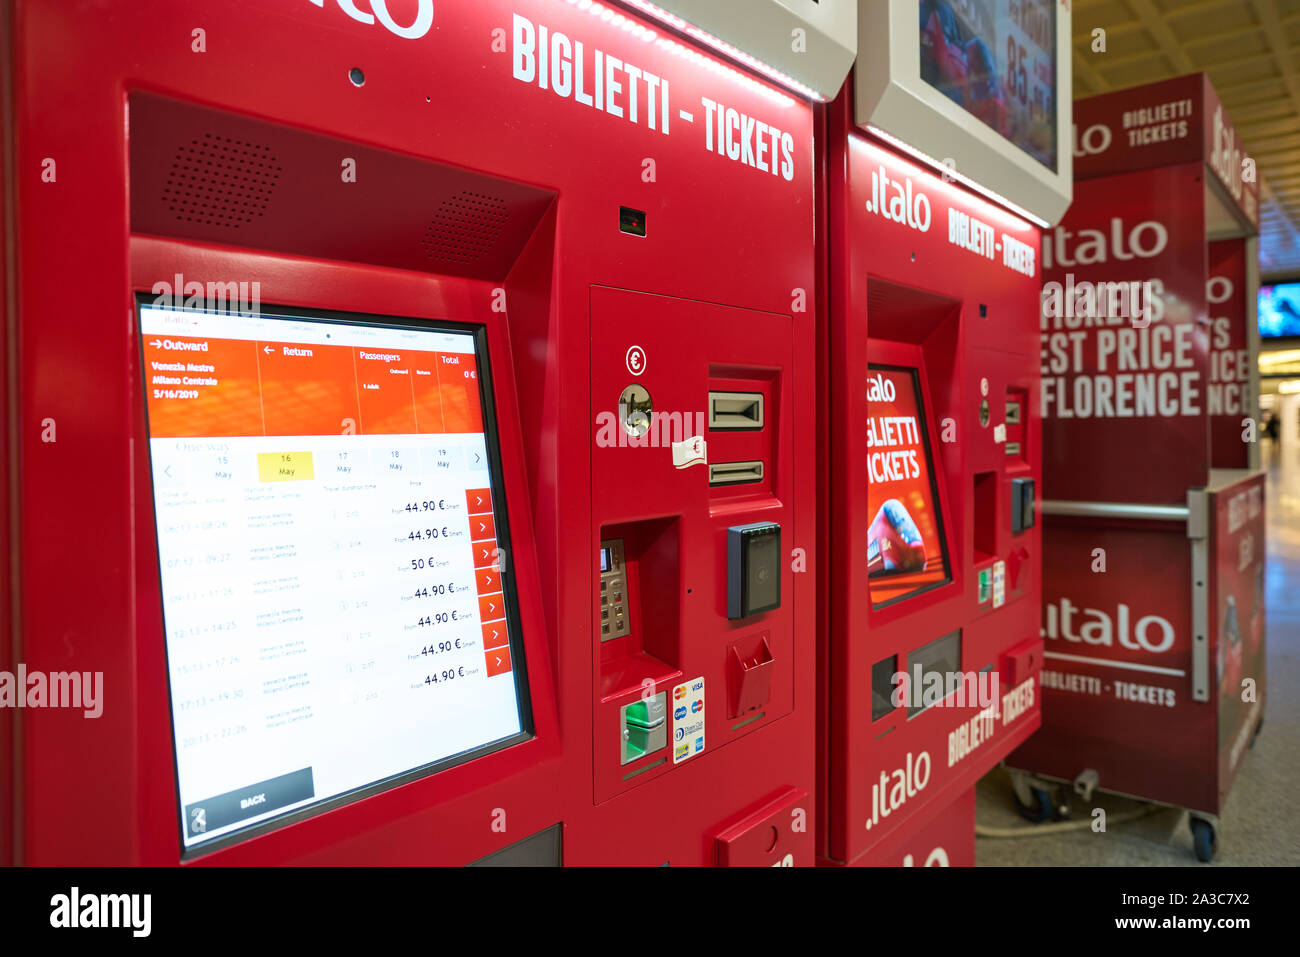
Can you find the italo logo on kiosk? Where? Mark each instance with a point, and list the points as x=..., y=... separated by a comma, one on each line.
x=1151, y=633
x=1065, y=247
x=898, y=202
x=893, y=790
x=423, y=16
x=880, y=389
x=1095, y=139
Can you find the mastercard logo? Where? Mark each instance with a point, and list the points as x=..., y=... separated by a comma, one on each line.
x=679, y=694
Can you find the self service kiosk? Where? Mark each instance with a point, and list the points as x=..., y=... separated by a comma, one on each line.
x=929, y=652
x=409, y=406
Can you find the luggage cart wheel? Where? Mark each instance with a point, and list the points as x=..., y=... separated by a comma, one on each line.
x=1204, y=839
x=1040, y=807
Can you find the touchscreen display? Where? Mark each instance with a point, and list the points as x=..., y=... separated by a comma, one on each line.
x=906, y=554
x=997, y=60
x=330, y=525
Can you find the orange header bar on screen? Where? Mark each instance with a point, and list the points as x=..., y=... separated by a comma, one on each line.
x=197, y=387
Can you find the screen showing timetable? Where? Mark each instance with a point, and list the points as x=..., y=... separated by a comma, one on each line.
x=330, y=530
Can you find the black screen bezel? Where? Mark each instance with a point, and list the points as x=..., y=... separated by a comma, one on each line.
x=496, y=483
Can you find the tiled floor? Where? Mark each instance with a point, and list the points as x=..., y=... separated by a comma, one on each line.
x=1259, y=825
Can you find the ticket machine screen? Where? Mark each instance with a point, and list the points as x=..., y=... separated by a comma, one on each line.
x=330, y=522
x=906, y=553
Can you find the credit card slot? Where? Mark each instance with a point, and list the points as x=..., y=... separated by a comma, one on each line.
x=734, y=411
x=1013, y=448
x=735, y=473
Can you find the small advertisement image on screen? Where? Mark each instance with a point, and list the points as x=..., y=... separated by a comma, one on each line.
x=328, y=509
x=996, y=59
x=1279, y=310
x=905, y=545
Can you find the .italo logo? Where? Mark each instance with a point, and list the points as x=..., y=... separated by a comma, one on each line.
x=912, y=209
x=1065, y=247
x=1150, y=632
x=1095, y=139
x=880, y=389
x=1225, y=158
x=1218, y=289
x=893, y=789
x=379, y=8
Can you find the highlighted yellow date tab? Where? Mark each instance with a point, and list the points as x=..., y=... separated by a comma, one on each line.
x=284, y=466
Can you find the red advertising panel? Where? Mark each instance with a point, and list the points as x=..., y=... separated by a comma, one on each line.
x=1117, y=675
x=1180, y=120
x=1124, y=351
x=1237, y=607
x=1229, y=398
x=906, y=550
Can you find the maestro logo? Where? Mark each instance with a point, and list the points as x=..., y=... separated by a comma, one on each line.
x=379, y=11
x=697, y=706
x=679, y=713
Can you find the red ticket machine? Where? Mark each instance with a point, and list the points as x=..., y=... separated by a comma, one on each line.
x=408, y=406
x=929, y=646
x=1153, y=582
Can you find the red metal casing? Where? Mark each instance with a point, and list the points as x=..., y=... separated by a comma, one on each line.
x=719, y=292
x=941, y=836
x=1151, y=624
x=8, y=460
x=920, y=298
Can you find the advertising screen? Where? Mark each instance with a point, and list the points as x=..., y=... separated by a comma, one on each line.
x=906, y=554
x=1279, y=310
x=997, y=60
x=329, y=512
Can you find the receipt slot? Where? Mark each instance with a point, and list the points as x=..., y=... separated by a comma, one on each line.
x=346, y=367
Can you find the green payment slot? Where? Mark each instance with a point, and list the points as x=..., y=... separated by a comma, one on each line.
x=645, y=727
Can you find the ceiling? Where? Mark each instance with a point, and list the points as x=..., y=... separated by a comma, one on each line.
x=1251, y=51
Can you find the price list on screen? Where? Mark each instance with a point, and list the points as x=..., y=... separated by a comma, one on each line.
x=332, y=580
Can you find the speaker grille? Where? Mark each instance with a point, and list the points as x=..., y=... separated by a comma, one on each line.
x=220, y=181
x=465, y=227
